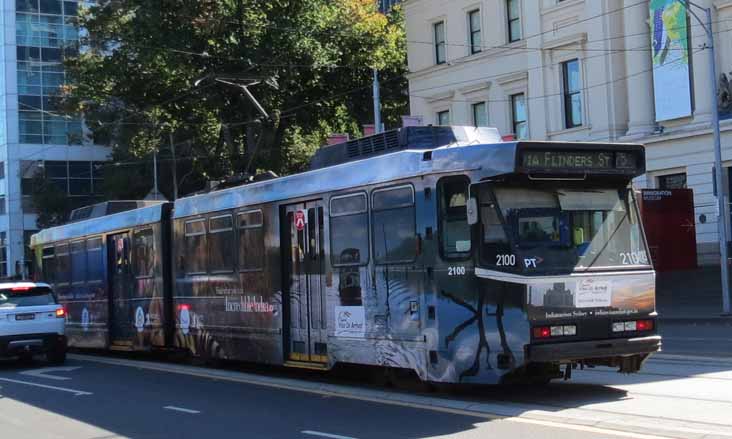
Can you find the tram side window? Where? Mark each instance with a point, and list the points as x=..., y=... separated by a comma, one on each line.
x=251, y=240
x=195, y=246
x=349, y=230
x=393, y=225
x=454, y=227
x=221, y=244
x=62, y=264
x=94, y=260
x=143, y=255
x=48, y=265
x=78, y=263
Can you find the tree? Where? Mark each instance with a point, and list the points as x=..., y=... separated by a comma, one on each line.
x=52, y=203
x=135, y=75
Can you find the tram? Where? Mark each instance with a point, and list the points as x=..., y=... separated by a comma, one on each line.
x=442, y=250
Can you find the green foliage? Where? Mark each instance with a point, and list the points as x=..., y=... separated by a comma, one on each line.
x=135, y=73
x=52, y=203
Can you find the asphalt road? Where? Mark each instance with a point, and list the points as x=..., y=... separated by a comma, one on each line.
x=109, y=401
x=94, y=397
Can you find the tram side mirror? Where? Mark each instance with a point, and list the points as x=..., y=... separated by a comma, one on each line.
x=472, y=209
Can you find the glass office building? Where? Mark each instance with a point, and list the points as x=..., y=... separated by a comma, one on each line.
x=34, y=136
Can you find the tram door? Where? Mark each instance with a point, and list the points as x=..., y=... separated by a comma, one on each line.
x=120, y=290
x=304, y=274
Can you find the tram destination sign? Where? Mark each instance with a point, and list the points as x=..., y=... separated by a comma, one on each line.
x=579, y=161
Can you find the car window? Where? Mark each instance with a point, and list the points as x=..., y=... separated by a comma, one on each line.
x=31, y=296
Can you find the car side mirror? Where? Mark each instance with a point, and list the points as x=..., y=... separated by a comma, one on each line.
x=472, y=209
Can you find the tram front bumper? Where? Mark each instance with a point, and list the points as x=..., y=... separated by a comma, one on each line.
x=603, y=350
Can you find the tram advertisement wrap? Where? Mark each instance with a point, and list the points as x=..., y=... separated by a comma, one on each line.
x=587, y=297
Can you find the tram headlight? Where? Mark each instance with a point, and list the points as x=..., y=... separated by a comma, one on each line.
x=618, y=327
x=630, y=326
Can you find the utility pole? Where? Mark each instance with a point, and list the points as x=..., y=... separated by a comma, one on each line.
x=155, y=174
x=175, y=169
x=722, y=219
x=377, y=103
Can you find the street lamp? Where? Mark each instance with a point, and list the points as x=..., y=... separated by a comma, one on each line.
x=722, y=218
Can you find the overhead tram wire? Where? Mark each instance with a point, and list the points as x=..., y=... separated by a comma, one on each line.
x=541, y=67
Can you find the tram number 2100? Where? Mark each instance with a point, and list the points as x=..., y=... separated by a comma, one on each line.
x=456, y=271
x=505, y=260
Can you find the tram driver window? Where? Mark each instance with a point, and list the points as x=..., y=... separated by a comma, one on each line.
x=393, y=225
x=195, y=246
x=251, y=241
x=144, y=253
x=454, y=227
x=221, y=244
x=349, y=230
x=494, y=241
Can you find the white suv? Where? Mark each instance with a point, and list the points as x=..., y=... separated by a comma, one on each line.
x=31, y=322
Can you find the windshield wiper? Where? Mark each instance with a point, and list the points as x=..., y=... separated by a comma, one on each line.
x=612, y=235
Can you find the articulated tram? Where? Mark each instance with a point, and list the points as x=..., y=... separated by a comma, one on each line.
x=441, y=250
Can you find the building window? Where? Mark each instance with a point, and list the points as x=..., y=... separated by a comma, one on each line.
x=518, y=115
x=514, y=20
x=572, y=94
x=3, y=254
x=393, y=225
x=672, y=181
x=46, y=31
x=480, y=115
x=349, y=230
x=443, y=118
x=474, y=29
x=440, y=48
x=80, y=181
x=251, y=241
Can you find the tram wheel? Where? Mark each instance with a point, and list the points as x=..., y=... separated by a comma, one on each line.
x=407, y=379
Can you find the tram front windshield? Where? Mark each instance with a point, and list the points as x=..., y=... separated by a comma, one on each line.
x=559, y=230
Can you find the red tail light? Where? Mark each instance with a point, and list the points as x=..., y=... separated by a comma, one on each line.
x=60, y=313
x=184, y=307
x=542, y=332
x=644, y=325
x=20, y=289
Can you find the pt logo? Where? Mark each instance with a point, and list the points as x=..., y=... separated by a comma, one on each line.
x=139, y=319
x=532, y=262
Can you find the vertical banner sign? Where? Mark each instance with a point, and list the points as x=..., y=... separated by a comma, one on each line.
x=670, y=51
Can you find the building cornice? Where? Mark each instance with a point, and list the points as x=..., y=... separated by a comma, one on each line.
x=561, y=6
x=681, y=133
x=577, y=38
x=444, y=96
x=722, y=4
x=475, y=88
x=512, y=77
x=485, y=55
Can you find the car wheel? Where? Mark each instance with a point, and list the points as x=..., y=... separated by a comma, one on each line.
x=56, y=356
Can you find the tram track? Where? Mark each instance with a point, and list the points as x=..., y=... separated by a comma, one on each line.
x=581, y=398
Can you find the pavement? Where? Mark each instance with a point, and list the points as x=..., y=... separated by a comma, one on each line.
x=690, y=296
x=95, y=397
